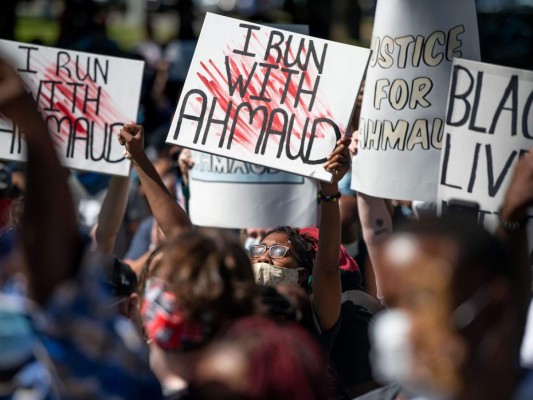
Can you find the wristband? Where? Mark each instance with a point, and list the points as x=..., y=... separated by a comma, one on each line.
x=322, y=197
x=512, y=226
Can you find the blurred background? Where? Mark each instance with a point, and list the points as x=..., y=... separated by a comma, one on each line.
x=129, y=22
x=506, y=26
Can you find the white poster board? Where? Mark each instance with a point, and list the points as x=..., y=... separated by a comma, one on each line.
x=489, y=124
x=85, y=100
x=402, y=116
x=249, y=196
x=227, y=193
x=267, y=96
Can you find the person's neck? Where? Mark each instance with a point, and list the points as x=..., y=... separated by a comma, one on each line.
x=174, y=370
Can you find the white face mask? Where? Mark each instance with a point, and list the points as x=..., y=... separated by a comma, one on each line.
x=392, y=355
x=270, y=275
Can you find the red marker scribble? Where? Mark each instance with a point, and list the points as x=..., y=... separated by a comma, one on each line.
x=68, y=101
x=215, y=80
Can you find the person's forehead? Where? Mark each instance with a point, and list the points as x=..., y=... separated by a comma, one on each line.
x=275, y=238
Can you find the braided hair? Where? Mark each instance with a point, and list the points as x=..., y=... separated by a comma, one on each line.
x=303, y=246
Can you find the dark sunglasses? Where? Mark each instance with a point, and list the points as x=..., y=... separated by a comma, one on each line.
x=274, y=251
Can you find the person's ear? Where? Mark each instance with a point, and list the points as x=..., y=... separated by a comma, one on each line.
x=303, y=277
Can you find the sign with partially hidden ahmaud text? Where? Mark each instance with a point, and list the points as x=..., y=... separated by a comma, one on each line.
x=227, y=193
x=85, y=99
x=402, y=116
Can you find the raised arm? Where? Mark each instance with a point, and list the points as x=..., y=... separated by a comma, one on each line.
x=51, y=241
x=169, y=215
x=111, y=214
x=376, y=223
x=513, y=217
x=326, y=275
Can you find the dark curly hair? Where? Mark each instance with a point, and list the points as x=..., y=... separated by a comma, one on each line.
x=303, y=246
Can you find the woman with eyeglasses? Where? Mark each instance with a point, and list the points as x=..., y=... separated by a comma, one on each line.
x=294, y=257
x=288, y=257
x=285, y=257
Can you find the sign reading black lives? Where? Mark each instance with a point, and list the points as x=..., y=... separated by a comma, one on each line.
x=489, y=125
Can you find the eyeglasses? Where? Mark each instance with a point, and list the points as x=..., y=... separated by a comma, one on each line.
x=274, y=251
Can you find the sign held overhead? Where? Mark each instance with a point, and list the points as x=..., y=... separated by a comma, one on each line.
x=85, y=99
x=267, y=96
x=489, y=125
x=404, y=103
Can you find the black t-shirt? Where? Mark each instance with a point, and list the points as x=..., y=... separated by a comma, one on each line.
x=326, y=338
x=350, y=351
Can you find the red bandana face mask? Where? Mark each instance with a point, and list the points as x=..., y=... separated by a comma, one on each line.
x=165, y=323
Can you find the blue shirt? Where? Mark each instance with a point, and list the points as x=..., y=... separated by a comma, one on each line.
x=84, y=349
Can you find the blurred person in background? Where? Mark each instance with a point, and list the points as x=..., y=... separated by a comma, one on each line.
x=193, y=286
x=457, y=300
x=62, y=338
x=261, y=360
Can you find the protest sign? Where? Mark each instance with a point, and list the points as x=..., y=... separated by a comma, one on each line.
x=179, y=53
x=84, y=98
x=297, y=28
x=267, y=96
x=402, y=116
x=226, y=193
x=249, y=195
x=489, y=125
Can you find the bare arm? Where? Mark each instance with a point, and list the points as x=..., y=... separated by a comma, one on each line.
x=518, y=199
x=169, y=215
x=376, y=223
x=111, y=214
x=156, y=237
x=326, y=275
x=50, y=237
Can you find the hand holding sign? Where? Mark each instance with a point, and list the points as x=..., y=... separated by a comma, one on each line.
x=519, y=196
x=185, y=163
x=354, y=144
x=339, y=160
x=132, y=137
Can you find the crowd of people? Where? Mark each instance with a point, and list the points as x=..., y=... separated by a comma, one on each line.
x=108, y=290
